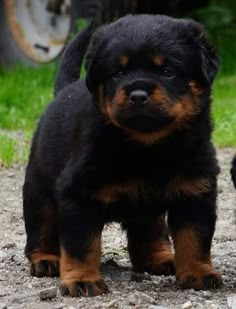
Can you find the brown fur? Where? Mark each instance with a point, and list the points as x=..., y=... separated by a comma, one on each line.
x=151, y=255
x=42, y=256
x=188, y=187
x=196, y=90
x=124, y=60
x=110, y=194
x=194, y=264
x=73, y=270
x=159, y=97
x=159, y=60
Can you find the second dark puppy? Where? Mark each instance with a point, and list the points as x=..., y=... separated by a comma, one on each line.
x=128, y=145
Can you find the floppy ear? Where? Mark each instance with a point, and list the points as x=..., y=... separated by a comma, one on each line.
x=209, y=60
x=95, y=62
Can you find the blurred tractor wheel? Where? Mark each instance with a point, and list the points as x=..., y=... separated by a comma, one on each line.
x=35, y=31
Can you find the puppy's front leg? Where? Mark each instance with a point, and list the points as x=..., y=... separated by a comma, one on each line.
x=80, y=240
x=192, y=224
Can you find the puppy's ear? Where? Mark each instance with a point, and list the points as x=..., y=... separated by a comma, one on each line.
x=95, y=62
x=209, y=60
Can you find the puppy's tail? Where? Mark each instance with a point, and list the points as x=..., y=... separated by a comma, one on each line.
x=233, y=171
x=72, y=58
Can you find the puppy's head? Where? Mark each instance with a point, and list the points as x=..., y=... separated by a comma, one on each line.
x=151, y=74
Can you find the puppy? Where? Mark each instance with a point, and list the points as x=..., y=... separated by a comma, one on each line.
x=129, y=144
x=233, y=171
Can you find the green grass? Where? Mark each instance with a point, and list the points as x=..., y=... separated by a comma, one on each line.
x=14, y=149
x=224, y=111
x=24, y=93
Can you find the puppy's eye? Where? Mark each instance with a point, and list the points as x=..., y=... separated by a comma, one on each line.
x=168, y=73
x=117, y=74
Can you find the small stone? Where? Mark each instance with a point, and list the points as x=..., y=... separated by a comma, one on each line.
x=138, y=298
x=157, y=307
x=187, y=305
x=212, y=306
x=49, y=293
x=9, y=246
x=140, y=277
x=59, y=306
x=111, y=303
x=206, y=293
x=3, y=306
x=231, y=301
x=110, y=262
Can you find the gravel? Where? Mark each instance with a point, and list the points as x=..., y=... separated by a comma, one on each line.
x=127, y=290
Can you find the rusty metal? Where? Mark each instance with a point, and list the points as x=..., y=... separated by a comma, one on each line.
x=35, y=42
x=16, y=30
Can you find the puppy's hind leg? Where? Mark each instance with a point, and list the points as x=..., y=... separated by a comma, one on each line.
x=42, y=248
x=149, y=247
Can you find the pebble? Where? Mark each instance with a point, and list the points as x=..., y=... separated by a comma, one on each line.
x=110, y=262
x=212, y=306
x=206, y=293
x=9, y=246
x=187, y=305
x=157, y=307
x=59, y=306
x=140, y=277
x=3, y=306
x=49, y=293
x=231, y=301
x=111, y=303
x=138, y=298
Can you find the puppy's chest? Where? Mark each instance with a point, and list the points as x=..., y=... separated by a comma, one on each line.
x=137, y=190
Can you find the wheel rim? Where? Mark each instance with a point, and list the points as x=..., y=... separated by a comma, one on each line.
x=39, y=33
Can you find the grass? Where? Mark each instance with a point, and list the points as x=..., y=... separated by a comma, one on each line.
x=224, y=111
x=25, y=92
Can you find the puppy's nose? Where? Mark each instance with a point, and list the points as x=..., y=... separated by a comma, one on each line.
x=138, y=97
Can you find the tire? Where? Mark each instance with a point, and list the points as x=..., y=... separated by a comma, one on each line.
x=9, y=51
x=22, y=43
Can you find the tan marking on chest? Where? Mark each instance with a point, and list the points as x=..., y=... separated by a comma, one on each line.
x=112, y=193
x=189, y=187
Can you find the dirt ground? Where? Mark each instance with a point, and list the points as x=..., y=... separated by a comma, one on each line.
x=19, y=290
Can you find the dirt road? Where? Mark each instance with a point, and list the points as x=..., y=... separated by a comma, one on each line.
x=19, y=290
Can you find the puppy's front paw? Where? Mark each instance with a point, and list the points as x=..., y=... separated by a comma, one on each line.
x=166, y=268
x=45, y=268
x=83, y=288
x=199, y=278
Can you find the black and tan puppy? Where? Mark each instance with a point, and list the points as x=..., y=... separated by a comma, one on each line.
x=129, y=144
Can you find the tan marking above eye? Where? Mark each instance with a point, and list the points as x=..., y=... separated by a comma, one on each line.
x=124, y=60
x=159, y=60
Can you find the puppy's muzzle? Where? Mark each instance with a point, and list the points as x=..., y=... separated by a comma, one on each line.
x=138, y=98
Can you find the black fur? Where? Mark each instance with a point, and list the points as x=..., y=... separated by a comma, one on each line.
x=233, y=171
x=77, y=151
x=69, y=69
